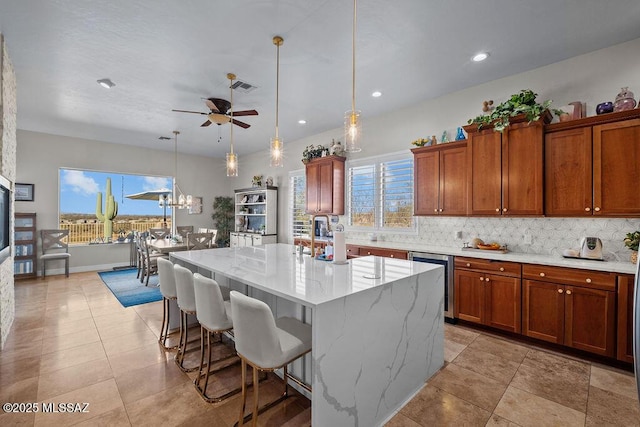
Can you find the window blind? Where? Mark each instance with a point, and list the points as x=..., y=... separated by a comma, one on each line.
x=300, y=225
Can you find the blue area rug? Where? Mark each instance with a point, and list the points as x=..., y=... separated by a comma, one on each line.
x=128, y=289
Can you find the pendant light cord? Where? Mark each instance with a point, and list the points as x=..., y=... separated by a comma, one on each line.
x=353, y=63
x=231, y=115
x=277, y=83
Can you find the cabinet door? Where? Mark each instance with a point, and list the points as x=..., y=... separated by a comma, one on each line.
x=453, y=181
x=522, y=169
x=233, y=240
x=313, y=187
x=469, y=292
x=616, y=156
x=625, y=318
x=590, y=320
x=426, y=181
x=503, y=303
x=568, y=174
x=325, y=198
x=485, y=173
x=543, y=311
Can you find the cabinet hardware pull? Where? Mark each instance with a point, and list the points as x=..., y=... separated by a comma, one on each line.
x=597, y=209
x=587, y=209
x=482, y=279
x=497, y=209
x=435, y=210
x=588, y=280
x=391, y=255
x=504, y=209
x=501, y=268
x=440, y=210
x=541, y=274
x=468, y=265
x=560, y=291
x=568, y=292
x=368, y=253
x=487, y=279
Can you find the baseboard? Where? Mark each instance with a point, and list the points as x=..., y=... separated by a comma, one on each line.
x=83, y=269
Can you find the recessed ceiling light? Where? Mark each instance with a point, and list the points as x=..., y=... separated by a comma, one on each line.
x=302, y=122
x=376, y=94
x=106, y=83
x=480, y=57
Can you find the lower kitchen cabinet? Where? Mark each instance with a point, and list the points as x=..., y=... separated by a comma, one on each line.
x=558, y=311
x=487, y=297
x=389, y=253
x=625, y=318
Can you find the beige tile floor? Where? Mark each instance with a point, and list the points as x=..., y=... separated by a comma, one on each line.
x=73, y=342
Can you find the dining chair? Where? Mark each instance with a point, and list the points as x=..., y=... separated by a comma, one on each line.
x=265, y=344
x=149, y=262
x=197, y=241
x=159, y=233
x=214, y=316
x=55, y=246
x=183, y=230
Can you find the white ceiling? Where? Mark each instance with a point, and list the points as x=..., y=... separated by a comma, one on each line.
x=168, y=54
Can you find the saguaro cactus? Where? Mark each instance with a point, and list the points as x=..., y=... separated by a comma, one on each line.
x=110, y=212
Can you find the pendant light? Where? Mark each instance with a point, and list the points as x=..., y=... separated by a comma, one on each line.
x=232, y=158
x=352, y=127
x=277, y=145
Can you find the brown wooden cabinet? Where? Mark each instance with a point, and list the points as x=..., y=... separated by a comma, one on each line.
x=625, y=318
x=440, y=179
x=488, y=292
x=506, y=169
x=325, y=185
x=389, y=253
x=572, y=307
x=588, y=163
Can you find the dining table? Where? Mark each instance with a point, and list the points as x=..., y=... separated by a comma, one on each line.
x=165, y=246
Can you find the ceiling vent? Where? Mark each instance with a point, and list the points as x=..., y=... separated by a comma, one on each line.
x=244, y=87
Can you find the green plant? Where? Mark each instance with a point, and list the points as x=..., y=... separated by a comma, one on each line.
x=223, y=213
x=519, y=103
x=558, y=112
x=311, y=152
x=421, y=142
x=632, y=240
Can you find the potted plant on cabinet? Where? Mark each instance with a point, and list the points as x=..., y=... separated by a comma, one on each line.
x=523, y=103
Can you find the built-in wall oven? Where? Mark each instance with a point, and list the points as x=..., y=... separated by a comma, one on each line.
x=447, y=262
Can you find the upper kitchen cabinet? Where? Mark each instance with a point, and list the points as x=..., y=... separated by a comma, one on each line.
x=505, y=170
x=587, y=163
x=325, y=185
x=440, y=179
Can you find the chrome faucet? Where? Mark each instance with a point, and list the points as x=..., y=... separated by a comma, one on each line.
x=313, y=232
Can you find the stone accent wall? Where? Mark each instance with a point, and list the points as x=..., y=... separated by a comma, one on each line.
x=8, y=108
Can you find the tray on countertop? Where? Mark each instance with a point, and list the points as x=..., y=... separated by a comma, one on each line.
x=500, y=250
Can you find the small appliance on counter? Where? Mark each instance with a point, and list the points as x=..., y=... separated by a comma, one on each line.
x=591, y=248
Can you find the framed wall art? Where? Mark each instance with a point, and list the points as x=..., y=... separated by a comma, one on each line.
x=24, y=192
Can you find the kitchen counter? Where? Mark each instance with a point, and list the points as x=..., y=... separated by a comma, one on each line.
x=524, y=258
x=377, y=323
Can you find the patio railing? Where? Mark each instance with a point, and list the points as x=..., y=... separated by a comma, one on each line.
x=85, y=233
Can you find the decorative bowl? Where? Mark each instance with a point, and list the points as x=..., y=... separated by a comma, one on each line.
x=604, y=107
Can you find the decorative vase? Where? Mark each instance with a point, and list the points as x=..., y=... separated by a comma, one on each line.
x=634, y=257
x=604, y=108
x=624, y=101
x=460, y=134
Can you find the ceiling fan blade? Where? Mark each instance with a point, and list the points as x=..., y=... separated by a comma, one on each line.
x=241, y=124
x=187, y=111
x=212, y=106
x=207, y=123
x=245, y=113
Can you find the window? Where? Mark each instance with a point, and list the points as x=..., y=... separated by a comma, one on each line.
x=380, y=194
x=300, y=225
x=79, y=198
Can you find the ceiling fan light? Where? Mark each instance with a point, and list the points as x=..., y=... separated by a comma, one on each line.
x=218, y=118
x=352, y=131
x=276, y=152
x=232, y=164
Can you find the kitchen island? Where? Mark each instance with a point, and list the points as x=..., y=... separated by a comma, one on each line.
x=377, y=323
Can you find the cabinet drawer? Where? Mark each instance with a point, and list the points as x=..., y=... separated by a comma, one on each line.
x=389, y=253
x=504, y=268
x=570, y=276
x=353, y=251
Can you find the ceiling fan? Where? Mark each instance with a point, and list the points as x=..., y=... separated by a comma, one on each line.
x=219, y=113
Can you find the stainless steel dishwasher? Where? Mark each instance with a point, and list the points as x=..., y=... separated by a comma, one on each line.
x=447, y=262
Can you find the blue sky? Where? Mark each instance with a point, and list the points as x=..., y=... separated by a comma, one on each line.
x=79, y=189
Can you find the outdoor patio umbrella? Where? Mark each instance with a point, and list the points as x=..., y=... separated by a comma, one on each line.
x=155, y=196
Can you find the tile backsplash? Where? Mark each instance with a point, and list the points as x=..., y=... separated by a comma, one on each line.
x=549, y=236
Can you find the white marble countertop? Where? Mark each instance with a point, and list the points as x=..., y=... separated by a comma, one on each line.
x=281, y=271
x=553, y=260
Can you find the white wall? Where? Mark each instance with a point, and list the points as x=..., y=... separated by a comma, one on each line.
x=39, y=157
x=592, y=78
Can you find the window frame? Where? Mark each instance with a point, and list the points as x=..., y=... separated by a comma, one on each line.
x=299, y=173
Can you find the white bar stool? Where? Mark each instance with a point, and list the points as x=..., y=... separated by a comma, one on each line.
x=214, y=315
x=266, y=344
x=168, y=290
x=187, y=305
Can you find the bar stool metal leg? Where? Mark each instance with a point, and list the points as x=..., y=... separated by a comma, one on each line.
x=164, y=329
